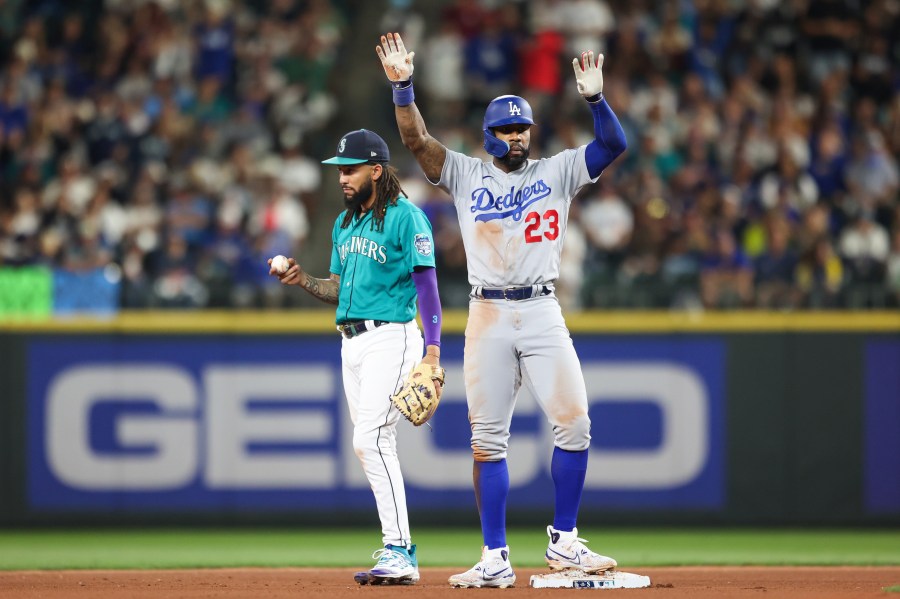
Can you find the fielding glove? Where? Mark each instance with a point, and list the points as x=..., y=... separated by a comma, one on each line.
x=419, y=397
x=398, y=65
x=588, y=75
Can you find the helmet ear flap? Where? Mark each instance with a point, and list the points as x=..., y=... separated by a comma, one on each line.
x=493, y=146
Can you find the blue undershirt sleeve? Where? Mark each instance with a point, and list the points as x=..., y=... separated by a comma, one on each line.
x=610, y=138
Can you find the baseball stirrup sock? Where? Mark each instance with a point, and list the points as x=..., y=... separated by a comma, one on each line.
x=568, y=469
x=491, y=491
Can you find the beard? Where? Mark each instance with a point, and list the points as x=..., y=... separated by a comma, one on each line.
x=354, y=203
x=514, y=162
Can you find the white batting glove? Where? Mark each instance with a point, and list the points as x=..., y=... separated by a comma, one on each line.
x=398, y=65
x=589, y=77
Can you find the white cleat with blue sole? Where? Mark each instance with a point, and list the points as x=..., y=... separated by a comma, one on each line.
x=493, y=571
x=566, y=551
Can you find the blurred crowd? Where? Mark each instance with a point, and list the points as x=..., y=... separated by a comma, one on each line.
x=172, y=139
x=165, y=138
x=763, y=141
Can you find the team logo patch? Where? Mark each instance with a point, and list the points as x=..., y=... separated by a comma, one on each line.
x=342, y=146
x=423, y=244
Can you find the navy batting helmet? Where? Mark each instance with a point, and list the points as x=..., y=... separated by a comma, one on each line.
x=504, y=110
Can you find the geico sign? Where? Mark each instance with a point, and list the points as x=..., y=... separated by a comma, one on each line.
x=205, y=429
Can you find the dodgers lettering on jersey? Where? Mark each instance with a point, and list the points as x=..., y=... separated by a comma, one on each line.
x=488, y=207
x=513, y=224
x=375, y=266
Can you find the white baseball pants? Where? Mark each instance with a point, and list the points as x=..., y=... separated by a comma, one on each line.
x=375, y=364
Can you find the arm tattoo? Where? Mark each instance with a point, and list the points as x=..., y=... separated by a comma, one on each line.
x=429, y=152
x=324, y=289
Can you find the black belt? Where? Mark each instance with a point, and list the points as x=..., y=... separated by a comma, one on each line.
x=358, y=327
x=513, y=293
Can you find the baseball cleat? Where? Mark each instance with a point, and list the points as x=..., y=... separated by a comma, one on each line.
x=364, y=578
x=494, y=570
x=395, y=565
x=567, y=551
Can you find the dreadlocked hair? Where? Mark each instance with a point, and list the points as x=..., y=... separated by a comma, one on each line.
x=387, y=190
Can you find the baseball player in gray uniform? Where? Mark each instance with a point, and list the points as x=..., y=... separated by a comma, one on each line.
x=512, y=213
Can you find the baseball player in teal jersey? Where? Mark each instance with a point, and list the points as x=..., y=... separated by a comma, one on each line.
x=512, y=214
x=382, y=265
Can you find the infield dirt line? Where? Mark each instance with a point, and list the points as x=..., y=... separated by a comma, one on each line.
x=284, y=583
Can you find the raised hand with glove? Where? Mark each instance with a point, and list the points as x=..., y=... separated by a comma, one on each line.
x=398, y=66
x=609, y=138
x=397, y=63
x=589, y=76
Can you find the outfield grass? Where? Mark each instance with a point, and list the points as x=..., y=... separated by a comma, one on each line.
x=114, y=549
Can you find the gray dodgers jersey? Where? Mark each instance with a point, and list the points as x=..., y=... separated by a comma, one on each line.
x=513, y=225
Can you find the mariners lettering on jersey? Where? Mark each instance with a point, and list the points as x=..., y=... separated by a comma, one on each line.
x=487, y=206
x=364, y=247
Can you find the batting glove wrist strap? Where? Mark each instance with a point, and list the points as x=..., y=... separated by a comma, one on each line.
x=403, y=92
x=595, y=98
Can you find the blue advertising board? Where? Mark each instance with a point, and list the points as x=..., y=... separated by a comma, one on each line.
x=882, y=423
x=240, y=424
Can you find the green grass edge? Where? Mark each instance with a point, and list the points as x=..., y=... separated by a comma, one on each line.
x=271, y=548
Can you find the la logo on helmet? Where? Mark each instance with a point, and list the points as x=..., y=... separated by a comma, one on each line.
x=513, y=110
x=342, y=145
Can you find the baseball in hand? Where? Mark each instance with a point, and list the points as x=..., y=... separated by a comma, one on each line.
x=280, y=264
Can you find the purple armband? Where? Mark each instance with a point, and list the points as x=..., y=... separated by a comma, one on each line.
x=403, y=93
x=429, y=304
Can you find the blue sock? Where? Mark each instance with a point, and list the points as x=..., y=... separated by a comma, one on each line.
x=491, y=491
x=568, y=469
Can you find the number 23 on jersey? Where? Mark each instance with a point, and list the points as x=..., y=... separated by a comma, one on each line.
x=541, y=226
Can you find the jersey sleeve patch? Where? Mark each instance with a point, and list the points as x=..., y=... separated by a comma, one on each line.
x=423, y=244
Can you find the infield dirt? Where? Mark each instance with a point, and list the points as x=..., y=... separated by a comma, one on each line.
x=294, y=583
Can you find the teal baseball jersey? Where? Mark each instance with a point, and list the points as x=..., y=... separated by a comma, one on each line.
x=375, y=266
